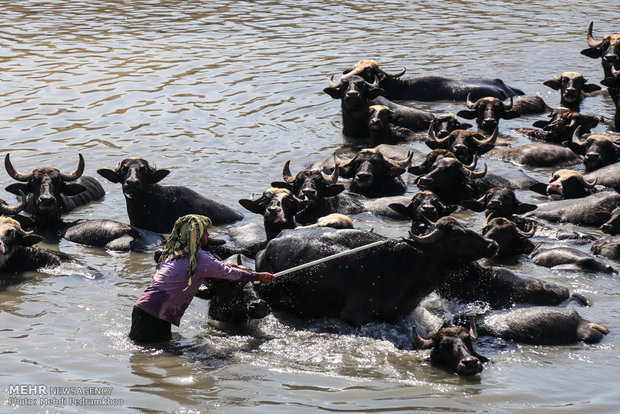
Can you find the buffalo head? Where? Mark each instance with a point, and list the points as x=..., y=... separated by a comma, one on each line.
x=452, y=348
x=424, y=209
x=354, y=91
x=572, y=87
x=450, y=179
x=370, y=71
x=135, y=175
x=310, y=185
x=499, y=202
x=565, y=184
x=444, y=124
x=463, y=144
x=608, y=49
x=487, y=112
x=509, y=237
x=12, y=236
x=598, y=150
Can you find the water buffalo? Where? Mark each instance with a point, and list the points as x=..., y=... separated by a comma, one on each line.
x=585, y=212
x=324, y=196
x=51, y=193
x=452, y=348
x=18, y=253
x=537, y=154
x=156, y=207
x=608, y=49
x=540, y=325
x=612, y=223
x=508, y=236
x=565, y=184
x=607, y=247
x=573, y=88
x=378, y=284
x=598, y=150
x=372, y=174
x=561, y=125
x=383, y=128
x=429, y=88
x=608, y=176
x=614, y=83
x=498, y=202
x=487, y=112
x=463, y=144
x=442, y=125
x=426, y=165
x=358, y=96
x=501, y=288
x=424, y=209
x=568, y=258
x=109, y=234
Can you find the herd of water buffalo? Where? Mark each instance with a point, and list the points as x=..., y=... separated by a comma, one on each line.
x=306, y=214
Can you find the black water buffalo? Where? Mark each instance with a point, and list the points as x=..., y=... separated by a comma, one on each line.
x=442, y=125
x=499, y=202
x=608, y=247
x=429, y=88
x=18, y=254
x=560, y=126
x=565, y=184
x=426, y=165
x=608, y=49
x=502, y=288
x=453, y=182
x=156, y=207
x=487, y=112
x=358, y=96
x=608, y=176
x=540, y=325
x=324, y=196
x=109, y=234
x=378, y=284
x=568, y=258
x=573, y=88
x=452, y=348
x=463, y=144
x=584, y=212
x=612, y=221
x=614, y=83
x=372, y=174
x=13, y=212
x=424, y=209
x=51, y=193
x=508, y=236
x=537, y=154
x=598, y=150
x=383, y=128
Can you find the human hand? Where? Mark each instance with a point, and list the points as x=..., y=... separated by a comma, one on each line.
x=265, y=277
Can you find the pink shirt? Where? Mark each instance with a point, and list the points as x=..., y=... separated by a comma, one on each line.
x=169, y=295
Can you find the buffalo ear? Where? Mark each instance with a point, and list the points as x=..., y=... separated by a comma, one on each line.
x=464, y=125
x=511, y=115
x=18, y=188
x=396, y=171
x=72, y=189
x=473, y=205
x=30, y=240
x=553, y=84
x=282, y=184
x=251, y=205
x=611, y=82
x=540, y=124
x=333, y=190
x=523, y=208
x=400, y=209
x=376, y=92
x=432, y=144
x=158, y=175
x=539, y=188
x=593, y=52
x=591, y=87
x=576, y=148
x=333, y=92
x=467, y=114
x=110, y=175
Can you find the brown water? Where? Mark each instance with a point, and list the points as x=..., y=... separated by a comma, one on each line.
x=223, y=93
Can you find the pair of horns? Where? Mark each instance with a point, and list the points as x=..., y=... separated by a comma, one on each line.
x=16, y=175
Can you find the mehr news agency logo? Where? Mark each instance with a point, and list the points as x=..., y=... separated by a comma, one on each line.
x=39, y=395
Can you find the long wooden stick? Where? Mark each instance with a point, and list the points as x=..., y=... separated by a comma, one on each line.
x=332, y=257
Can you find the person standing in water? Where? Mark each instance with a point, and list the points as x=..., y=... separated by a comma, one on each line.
x=182, y=267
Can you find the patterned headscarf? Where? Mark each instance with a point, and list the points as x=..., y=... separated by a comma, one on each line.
x=184, y=240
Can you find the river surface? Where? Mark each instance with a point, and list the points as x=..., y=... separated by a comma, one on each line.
x=223, y=93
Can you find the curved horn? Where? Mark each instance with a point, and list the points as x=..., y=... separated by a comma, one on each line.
x=432, y=136
x=472, y=166
x=75, y=174
x=332, y=84
x=286, y=172
x=420, y=342
x=11, y=211
x=575, y=140
x=526, y=234
x=392, y=74
x=333, y=178
x=16, y=175
x=477, y=174
x=473, y=332
x=587, y=184
x=591, y=41
x=431, y=237
x=508, y=107
x=470, y=104
x=488, y=141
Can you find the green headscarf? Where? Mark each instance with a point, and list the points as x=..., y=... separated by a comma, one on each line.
x=184, y=240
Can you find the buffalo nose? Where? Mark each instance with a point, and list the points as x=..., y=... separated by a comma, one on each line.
x=593, y=156
x=442, y=134
x=273, y=210
x=352, y=94
x=610, y=58
x=46, y=199
x=460, y=149
x=309, y=192
x=428, y=208
x=362, y=176
x=489, y=123
x=131, y=182
x=469, y=366
x=607, y=228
